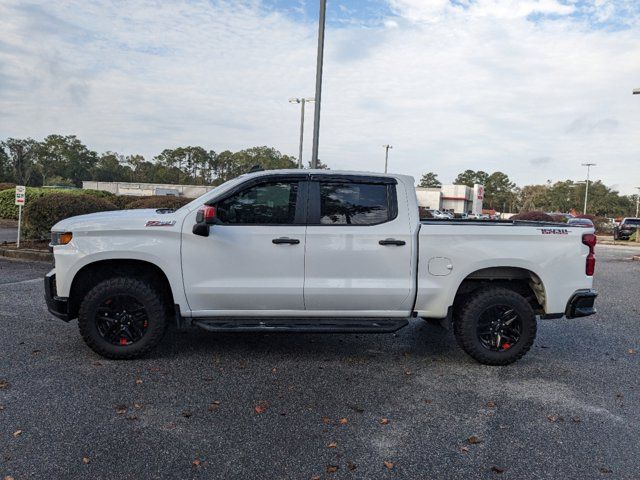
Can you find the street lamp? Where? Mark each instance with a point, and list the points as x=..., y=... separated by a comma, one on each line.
x=586, y=192
x=318, y=96
x=386, y=156
x=302, y=102
x=636, y=91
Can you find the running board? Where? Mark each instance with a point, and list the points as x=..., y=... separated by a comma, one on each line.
x=301, y=325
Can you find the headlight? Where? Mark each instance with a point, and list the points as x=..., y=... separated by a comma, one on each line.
x=60, y=238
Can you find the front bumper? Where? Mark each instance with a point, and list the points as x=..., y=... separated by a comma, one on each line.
x=57, y=306
x=581, y=304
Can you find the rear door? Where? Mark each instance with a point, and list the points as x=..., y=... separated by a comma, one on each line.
x=359, y=245
x=252, y=263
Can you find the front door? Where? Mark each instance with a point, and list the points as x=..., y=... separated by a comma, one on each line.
x=252, y=263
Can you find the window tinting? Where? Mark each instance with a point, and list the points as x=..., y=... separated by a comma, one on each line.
x=353, y=204
x=266, y=203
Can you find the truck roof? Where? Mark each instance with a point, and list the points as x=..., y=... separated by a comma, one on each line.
x=290, y=171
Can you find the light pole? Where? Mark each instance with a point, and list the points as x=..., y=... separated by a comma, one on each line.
x=637, y=201
x=586, y=191
x=301, y=101
x=316, y=113
x=386, y=156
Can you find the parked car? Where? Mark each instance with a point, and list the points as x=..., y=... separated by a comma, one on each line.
x=626, y=228
x=580, y=222
x=438, y=214
x=314, y=251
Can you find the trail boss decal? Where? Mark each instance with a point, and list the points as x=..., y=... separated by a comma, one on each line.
x=160, y=223
x=554, y=231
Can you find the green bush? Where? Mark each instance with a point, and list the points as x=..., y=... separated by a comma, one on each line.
x=44, y=212
x=123, y=201
x=8, y=209
x=535, y=215
x=159, y=201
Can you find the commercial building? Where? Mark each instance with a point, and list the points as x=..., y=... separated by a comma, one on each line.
x=452, y=198
x=145, y=189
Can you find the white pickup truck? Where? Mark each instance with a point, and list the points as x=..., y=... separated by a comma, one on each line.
x=315, y=251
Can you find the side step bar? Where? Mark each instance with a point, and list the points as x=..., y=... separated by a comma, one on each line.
x=302, y=325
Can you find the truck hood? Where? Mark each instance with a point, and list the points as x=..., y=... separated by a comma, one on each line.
x=115, y=220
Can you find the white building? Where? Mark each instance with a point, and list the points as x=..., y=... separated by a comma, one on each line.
x=145, y=189
x=452, y=198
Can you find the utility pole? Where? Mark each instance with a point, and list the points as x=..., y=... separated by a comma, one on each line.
x=636, y=91
x=386, y=156
x=586, y=191
x=316, y=113
x=637, y=205
x=302, y=102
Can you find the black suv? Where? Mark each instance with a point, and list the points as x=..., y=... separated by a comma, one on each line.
x=626, y=228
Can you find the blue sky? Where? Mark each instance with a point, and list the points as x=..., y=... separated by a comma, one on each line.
x=533, y=88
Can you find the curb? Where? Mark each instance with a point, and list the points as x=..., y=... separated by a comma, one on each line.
x=26, y=254
x=619, y=244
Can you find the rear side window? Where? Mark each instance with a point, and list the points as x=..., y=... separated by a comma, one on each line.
x=272, y=203
x=355, y=203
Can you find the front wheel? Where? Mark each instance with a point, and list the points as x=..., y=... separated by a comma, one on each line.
x=495, y=326
x=123, y=318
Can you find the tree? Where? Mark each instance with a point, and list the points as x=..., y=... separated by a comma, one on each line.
x=498, y=191
x=321, y=165
x=66, y=157
x=6, y=175
x=471, y=177
x=229, y=165
x=111, y=167
x=533, y=197
x=430, y=180
x=19, y=154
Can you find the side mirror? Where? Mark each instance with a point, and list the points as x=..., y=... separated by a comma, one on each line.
x=207, y=214
x=201, y=229
x=205, y=217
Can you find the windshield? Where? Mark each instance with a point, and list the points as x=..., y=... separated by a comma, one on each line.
x=632, y=221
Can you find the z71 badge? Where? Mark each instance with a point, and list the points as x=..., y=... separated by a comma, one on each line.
x=160, y=223
x=554, y=231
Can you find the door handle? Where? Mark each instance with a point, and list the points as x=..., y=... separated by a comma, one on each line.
x=282, y=240
x=392, y=241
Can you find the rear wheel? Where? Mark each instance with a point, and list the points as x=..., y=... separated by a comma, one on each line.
x=123, y=318
x=495, y=326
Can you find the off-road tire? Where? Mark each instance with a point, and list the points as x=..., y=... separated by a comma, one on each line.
x=466, y=322
x=144, y=292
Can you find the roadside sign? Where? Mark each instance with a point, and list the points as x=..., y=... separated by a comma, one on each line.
x=21, y=198
x=21, y=194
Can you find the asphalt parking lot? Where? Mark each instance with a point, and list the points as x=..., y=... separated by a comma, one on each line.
x=322, y=406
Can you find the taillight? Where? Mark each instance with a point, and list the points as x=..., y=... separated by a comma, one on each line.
x=590, y=240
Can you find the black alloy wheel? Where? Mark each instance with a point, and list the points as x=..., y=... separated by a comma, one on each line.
x=499, y=328
x=121, y=320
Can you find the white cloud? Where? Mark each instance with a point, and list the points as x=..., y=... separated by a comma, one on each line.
x=471, y=84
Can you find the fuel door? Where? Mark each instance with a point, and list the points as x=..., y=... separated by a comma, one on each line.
x=440, y=266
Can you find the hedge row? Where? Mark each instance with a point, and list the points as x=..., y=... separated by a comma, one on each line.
x=47, y=209
x=41, y=214
x=8, y=208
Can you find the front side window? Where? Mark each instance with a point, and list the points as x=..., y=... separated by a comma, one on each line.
x=353, y=203
x=270, y=203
